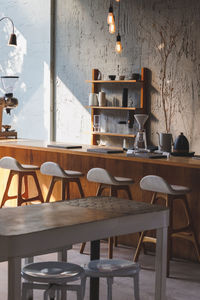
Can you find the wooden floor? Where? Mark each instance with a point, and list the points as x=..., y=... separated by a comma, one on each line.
x=183, y=284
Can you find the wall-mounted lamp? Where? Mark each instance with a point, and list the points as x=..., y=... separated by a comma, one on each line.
x=13, y=39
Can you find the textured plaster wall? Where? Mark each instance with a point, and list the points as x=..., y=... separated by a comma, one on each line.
x=151, y=31
x=30, y=61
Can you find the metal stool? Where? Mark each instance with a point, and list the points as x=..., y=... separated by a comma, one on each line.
x=110, y=268
x=22, y=171
x=114, y=184
x=65, y=176
x=170, y=194
x=53, y=277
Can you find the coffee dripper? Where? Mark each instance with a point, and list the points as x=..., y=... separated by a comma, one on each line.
x=140, y=139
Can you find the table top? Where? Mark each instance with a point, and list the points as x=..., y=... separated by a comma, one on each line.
x=52, y=225
x=36, y=145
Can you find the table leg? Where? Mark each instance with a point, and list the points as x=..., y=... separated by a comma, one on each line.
x=14, y=278
x=161, y=264
x=94, y=282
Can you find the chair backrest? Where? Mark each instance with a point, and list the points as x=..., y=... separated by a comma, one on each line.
x=100, y=175
x=52, y=169
x=10, y=163
x=155, y=184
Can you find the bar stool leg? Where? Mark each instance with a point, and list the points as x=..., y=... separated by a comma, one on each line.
x=53, y=181
x=40, y=197
x=5, y=195
x=109, y=286
x=136, y=286
x=80, y=188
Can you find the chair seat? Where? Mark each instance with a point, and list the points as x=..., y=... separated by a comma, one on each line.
x=53, y=169
x=102, y=176
x=111, y=268
x=11, y=163
x=123, y=181
x=52, y=272
x=159, y=185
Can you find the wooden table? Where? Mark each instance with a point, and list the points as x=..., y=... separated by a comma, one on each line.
x=29, y=230
x=177, y=170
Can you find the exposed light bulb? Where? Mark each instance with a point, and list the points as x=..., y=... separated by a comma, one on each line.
x=110, y=18
x=117, y=0
x=118, y=46
x=112, y=28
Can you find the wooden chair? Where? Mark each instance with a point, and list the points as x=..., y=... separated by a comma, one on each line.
x=65, y=176
x=170, y=194
x=22, y=171
x=114, y=184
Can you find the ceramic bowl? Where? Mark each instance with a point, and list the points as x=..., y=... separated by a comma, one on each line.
x=112, y=77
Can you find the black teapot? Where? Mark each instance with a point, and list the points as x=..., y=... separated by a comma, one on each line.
x=181, y=144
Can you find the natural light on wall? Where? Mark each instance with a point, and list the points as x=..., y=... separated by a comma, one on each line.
x=73, y=120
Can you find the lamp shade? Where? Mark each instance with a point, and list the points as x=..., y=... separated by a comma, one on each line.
x=12, y=40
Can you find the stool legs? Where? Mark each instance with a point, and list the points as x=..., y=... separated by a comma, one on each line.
x=65, y=185
x=187, y=232
x=22, y=197
x=113, y=191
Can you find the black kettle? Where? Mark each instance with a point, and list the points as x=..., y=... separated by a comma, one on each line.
x=181, y=144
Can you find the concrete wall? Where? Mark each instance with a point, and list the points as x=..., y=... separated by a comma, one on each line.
x=30, y=60
x=153, y=32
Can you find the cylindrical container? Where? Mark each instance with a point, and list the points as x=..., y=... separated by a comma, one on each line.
x=102, y=99
x=93, y=99
x=97, y=123
x=125, y=97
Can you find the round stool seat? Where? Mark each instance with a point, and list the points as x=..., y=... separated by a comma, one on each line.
x=159, y=185
x=100, y=175
x=52, y=272
x=11, y=163
x=53, y=169
x=111, y=268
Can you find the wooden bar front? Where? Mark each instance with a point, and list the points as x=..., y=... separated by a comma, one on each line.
x=176, y=170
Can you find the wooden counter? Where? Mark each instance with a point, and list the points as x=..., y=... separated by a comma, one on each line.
x=177, y=170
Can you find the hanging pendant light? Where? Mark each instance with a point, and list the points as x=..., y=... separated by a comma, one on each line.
x=112, y=28
x=110, y=18
x=118, y=46
x=117, y=0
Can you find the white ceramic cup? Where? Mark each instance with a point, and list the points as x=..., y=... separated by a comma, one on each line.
x=93, y=99
x=102, y=99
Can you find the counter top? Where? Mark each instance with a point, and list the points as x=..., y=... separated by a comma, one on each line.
x=187, y=162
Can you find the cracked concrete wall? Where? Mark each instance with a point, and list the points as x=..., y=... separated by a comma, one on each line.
x=159, y=35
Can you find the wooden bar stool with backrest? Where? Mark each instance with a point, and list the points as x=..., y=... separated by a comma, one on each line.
x=65, y=176
x=170, y=193
x=114, y=184
x=22, y=171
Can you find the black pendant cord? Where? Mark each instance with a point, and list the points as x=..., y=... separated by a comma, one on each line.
x=118, y=17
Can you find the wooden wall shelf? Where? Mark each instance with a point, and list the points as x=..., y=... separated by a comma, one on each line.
x=113, y=134
x=96, y=87
x=111, y=107
x=115, y=81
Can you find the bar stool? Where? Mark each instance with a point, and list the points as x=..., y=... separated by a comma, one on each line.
x=65, y=176
x=110, y=268
x=170, y=193
x=53, y=277
x=22, y=171
x=114, y=184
